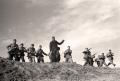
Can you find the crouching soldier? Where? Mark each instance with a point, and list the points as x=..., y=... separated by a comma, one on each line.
x=101, y=60
x=68, y=56
x=31, y=53
x=110, y=58
x=22, y=51
x=39, y=55
x=13, y=51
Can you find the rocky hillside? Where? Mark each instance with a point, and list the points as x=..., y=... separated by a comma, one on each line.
x=16, y=71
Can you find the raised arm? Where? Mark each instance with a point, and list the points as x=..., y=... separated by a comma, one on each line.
x=59, y=43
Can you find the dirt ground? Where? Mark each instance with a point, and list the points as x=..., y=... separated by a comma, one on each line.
x=16, y=71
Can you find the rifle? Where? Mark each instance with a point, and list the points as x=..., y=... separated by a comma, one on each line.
x=93, y=56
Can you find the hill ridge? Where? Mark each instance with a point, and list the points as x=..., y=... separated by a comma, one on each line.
x=16, y=71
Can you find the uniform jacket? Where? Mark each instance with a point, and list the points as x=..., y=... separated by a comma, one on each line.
x=54, y=45
x=31, y=51
x=13, y=48
x=40, y=53
x=22, y=50
x=67, y=52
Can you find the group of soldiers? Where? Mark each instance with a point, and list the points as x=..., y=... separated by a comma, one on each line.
x=100, y=60
x=17, y=52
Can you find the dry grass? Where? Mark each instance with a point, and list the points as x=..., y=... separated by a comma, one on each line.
x=16, y=71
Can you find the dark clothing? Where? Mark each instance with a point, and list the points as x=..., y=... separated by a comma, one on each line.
x=101, y=60
x=40, y=53
x=101, y=57
x=110, y=58
x=67, y=52
x=11, y=56
x=31, y=54
x=40, y=59
x=40, y=56
x=13, y=48
x=22, y=58
x=54, y=45
x=87, y=54
x=31, y=51
x=13, y=51
x=55, y=56
x=54, y=49
x=98, y=62
x=22, y=51
x=110, y=54
x=68, y=56
x=87, y=57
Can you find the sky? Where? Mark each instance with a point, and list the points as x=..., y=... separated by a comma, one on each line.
x=81, y=23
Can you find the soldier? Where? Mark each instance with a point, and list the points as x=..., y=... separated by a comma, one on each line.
x=22, y=51
x=54, y=50
x=13, y=51
x=101, y=59
x=110, y=58
x=39, y=54
x=68, y=56
x=31, y=53
x=87, y=56
x=91, y=59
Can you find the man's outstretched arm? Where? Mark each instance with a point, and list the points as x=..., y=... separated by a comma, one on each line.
x=44, y=53
x=59, y=43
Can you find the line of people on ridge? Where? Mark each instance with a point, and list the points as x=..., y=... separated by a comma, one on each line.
x=17, y=52
x=100, y=60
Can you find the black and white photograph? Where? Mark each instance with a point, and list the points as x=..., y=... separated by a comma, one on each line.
x=59, y=40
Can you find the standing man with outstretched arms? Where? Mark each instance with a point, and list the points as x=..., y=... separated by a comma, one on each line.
x=54, y=50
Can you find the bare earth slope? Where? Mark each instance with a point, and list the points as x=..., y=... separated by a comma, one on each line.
x=16, y=71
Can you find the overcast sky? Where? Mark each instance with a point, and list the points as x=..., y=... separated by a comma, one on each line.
x=81, y=23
